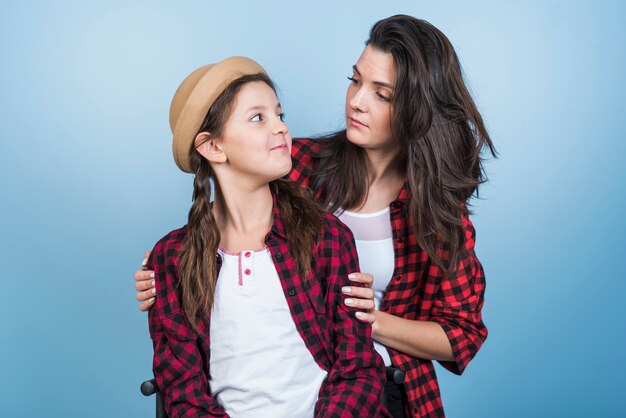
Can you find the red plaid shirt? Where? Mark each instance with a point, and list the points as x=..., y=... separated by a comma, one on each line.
x=420, y=291
x=339, y=343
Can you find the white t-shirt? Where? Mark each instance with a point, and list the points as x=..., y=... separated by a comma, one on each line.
x=259, y=365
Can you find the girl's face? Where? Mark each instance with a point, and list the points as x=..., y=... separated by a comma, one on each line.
x=368, y=100
x=255, y=142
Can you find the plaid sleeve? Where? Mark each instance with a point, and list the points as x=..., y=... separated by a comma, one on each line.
x=356, y=378
x=303, y=153
x=180, y=362
x=457, y=306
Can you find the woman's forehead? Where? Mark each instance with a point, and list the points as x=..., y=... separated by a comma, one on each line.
x=376, y=64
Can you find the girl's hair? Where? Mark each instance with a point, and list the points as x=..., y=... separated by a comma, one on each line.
x=299, y=214
x=439, y=129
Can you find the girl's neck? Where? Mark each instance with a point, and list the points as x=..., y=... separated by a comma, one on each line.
x=243, y=216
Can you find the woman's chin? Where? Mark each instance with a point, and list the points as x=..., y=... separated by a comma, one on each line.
x=356, y=137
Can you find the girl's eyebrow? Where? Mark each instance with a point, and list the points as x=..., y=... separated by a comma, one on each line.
x=376, y=83
x=261, y=107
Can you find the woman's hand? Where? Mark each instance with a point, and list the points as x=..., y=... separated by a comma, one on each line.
x=144, y=284
x=361, y=298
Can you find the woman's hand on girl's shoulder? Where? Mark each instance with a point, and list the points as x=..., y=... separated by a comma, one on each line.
x=361, y=297
x=144, y=284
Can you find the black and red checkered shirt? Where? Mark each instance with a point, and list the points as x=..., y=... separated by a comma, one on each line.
x=339, y=343
x=420, y=291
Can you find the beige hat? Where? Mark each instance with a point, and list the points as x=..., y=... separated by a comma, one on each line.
x=194, y=97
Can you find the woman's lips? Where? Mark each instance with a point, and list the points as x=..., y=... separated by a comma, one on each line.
x=357, y=123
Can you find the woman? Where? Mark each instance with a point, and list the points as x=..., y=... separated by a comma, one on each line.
x=249, y=319
x=401, y=176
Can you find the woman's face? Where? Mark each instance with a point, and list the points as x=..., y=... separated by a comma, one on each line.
x=368, y=100
x=255, y=142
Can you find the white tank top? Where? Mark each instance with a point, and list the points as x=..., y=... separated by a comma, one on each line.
x=374, y=244
x=259, y=366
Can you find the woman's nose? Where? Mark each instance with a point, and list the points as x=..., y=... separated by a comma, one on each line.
x=357, y=102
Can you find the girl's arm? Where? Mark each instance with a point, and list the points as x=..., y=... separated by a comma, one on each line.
x=356, y=377
x=180, y=355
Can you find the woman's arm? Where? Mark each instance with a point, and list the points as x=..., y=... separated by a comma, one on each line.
x=455, y=331
x=422, y=339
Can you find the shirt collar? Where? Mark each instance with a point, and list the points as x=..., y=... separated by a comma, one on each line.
x=278, y=227
x=403, y=196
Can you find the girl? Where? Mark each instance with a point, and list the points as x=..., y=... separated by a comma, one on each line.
x=401, y=176
x=249, y=319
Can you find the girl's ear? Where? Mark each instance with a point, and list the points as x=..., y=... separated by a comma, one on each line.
x=210, y=148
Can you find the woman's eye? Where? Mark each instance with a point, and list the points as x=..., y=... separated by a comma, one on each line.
x=353, y=80
x=383, y=97
x=256, y=118
x=281, y=116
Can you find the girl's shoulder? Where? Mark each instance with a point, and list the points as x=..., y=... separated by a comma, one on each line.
x=168, y=246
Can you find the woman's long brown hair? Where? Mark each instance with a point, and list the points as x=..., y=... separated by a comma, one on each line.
x=198, y=259
x=439, y=129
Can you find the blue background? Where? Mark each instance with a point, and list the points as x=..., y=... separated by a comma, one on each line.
x=88, y=183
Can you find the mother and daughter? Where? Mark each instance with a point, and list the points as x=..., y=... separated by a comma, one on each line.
x=251, y=307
